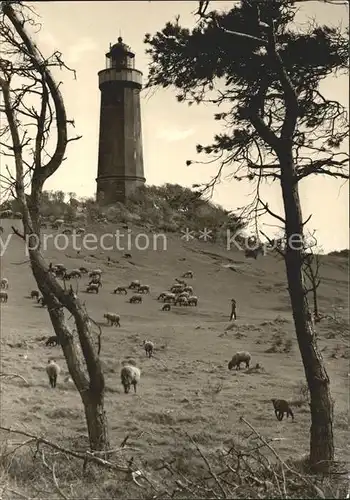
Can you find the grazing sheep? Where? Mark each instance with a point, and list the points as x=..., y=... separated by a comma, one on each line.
x=166, y=307
x=41, y=301
x=3, y=296
x=134, y=285
x=182, y=301
x=96, y=281
x=92, y=288
x=181, y=282
x=184, y=294
x=95, y=272
x=53, y=370
x=193, y=300
x=177, y=289
x=34, y=294
x=57, y=223
x=120, y=289
x=188, y=274
x=113, y=319
x=137, y=298
x=6, y=214
x=130, y=375
x=52, y=341
x=59, y=273
x=144, y=289
x=281, y=406
x=4, y=283
x=59, y=270
x=149, y=347
x=169, y=297
x=176, y=286
x=75, y=273
x=254, y=253
x=188, y=289
x=238, y=358
x=161, y=296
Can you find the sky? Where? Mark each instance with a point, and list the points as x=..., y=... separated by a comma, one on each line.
x=82, y=31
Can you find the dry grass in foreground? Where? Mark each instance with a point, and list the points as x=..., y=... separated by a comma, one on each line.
x=37, y=468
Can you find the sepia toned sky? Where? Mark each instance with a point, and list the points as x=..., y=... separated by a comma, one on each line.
x=82, y=31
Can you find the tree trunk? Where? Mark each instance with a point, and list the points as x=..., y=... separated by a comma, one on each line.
x=90, y=385
x=321, y=439
x=96, y=421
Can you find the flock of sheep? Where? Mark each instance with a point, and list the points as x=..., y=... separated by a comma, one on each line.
x=180, y=294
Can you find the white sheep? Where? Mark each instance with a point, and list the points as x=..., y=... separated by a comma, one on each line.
x=149, y=347
x=188, y=274
x=130, y=375
x=52, y=370
x=112, y=318
x=238, y=358
x=95, y=272
x=4, y=283
x=135, y=284
x=182, y=301
x=169, y=297
x=136, y=299
x=193, y=300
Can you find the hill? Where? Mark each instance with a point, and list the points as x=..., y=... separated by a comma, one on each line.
x=187, y=386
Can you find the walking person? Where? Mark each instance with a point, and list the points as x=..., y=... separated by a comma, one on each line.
x=233, y=310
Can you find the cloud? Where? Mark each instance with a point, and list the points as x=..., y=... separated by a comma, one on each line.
x=174, y=134
x=85, y=44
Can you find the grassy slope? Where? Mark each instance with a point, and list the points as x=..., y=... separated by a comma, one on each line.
x=188, y=386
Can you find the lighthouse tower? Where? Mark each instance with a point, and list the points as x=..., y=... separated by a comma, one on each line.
x=120, y=158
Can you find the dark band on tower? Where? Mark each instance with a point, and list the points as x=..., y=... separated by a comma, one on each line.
x=120, y=158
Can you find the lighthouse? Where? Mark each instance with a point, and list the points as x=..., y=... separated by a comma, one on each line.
x=120, y=158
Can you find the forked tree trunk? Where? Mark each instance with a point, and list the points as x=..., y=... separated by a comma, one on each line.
x=91, y=385
x=321, y=439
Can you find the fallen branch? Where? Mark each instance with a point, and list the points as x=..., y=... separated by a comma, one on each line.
x=14, y=375
x=16, y=493
x=52, y=470
x=87, y=456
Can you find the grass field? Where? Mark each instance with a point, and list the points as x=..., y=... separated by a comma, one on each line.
x=186, y=386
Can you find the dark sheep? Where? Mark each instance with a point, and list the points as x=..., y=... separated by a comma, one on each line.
x=281, y=406
x=52, y=341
